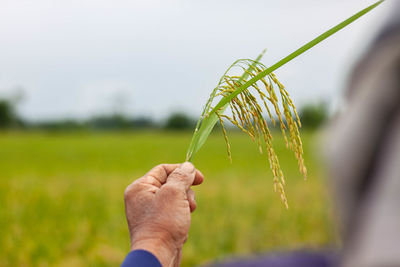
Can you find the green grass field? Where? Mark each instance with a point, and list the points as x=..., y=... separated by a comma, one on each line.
x=61, y=197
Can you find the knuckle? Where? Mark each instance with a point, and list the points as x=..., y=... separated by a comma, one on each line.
x=160, y=168
x=131, y=190
x=150, y=179
x=128, y=193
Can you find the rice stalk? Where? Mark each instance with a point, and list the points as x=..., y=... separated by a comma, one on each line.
x=247, y=111
x=243, y=95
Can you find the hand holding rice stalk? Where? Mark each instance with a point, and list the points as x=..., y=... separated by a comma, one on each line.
x=238, y=93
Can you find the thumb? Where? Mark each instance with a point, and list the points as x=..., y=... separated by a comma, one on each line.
x=183, y=176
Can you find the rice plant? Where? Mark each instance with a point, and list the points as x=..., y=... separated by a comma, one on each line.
x=251, y=95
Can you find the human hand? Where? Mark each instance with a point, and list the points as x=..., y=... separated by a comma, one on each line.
x=158, y=207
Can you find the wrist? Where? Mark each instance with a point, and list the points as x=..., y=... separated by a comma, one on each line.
x=157, y=243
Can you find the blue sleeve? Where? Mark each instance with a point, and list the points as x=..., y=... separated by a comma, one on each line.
x=140, y=258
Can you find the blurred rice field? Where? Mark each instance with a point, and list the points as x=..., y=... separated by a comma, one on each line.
x=61, y=197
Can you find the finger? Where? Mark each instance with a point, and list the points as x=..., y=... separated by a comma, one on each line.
x=191, y=199
x=199, y=178
x=183, y=176
x=160, y=173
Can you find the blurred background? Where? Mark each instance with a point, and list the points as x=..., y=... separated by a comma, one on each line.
x=95, y=93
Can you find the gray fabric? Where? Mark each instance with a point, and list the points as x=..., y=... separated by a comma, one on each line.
x=364, y=156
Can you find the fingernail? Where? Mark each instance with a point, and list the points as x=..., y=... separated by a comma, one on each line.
x=187, y=167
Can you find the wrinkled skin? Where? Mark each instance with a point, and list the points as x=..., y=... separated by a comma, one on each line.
x=158, y=207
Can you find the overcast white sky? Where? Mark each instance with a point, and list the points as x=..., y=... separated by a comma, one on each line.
x=151, y=57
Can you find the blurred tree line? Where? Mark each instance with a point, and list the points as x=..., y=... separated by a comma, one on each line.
x=312, y=116
x=115, y=121
x=8, y=116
